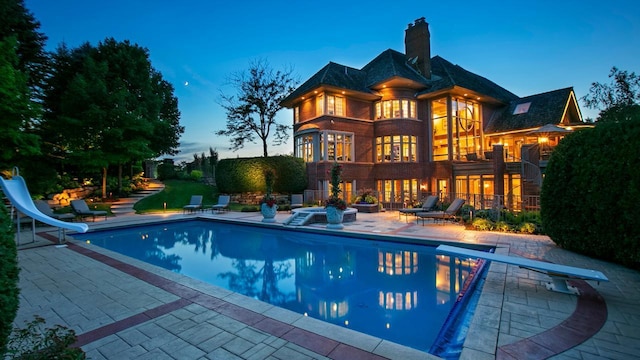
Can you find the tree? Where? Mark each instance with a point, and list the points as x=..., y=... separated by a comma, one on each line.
x=617, y=100
x=16, y=21
x=22, y=70
x=109, y=107
x=252, y=111
x=16, y=108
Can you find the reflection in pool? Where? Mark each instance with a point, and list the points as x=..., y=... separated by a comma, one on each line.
x=399, y=292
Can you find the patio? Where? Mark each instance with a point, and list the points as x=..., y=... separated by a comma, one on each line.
x=122, y=308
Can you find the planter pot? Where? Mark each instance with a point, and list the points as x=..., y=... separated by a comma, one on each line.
x=334, y=218
x=268, y=213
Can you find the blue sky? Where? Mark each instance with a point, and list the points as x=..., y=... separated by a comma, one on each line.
x=527, y=48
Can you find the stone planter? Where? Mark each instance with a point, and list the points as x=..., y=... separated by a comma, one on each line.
x=366, y=207
x=334, y=218
x=268, y=212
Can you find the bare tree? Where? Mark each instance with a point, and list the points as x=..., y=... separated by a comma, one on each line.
x=252, y=110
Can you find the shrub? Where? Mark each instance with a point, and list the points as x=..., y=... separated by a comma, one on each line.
x=590, y=194
x=483, y=224
x=247, y=174
x=8, y=278
x=35, y=342
x=196, y=175
x=502, y=226
x=527, y=228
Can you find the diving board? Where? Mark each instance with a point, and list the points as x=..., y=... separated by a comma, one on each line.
x=558, y=273
x=17, y=192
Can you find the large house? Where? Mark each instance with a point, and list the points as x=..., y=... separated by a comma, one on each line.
x=408, y=125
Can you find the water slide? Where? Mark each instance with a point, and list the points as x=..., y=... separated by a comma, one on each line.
x=17, y=192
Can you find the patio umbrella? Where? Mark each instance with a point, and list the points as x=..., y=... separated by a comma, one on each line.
x=549, y=129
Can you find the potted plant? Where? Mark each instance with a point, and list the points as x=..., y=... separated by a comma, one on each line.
x=335, y=206
x=366, y=201
x=268, y=206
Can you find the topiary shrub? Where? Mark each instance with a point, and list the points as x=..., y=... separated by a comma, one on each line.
x=589, y=198
x=247, y=174
x=8, y=278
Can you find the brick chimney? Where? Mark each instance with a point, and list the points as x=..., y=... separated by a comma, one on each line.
x=417, y=44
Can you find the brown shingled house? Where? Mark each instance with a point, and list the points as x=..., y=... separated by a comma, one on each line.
x=409, y=125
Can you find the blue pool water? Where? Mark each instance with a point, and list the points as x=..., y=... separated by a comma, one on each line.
x=396, y=291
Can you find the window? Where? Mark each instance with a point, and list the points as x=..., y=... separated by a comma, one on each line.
x=399, y=191
x=334, y=105
x=390, y=109
x=467, y=136
x=336, y=146
x=439, y=125
x=320, y=105
x=296, y=114
x=521, y=108
x=397, y=148
x=304, y=147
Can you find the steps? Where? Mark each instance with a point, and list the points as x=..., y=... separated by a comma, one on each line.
x=125, y=205
x=298, y=219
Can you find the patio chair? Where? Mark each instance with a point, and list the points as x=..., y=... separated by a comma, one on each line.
x=194, y=205
x=222, y=205
x=44, y=208
x=81, y=209
x=449, y=214
x=296, y=201
x=429, y=204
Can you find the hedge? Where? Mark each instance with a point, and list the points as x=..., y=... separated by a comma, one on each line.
x=8, y=278
x=591, y=192
x=247, y=174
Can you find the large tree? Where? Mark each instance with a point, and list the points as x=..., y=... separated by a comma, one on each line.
x=617, y=100
x=108, y=106
x=22, y=70
x=251, y=112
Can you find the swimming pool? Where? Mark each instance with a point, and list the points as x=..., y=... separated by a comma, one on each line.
x=396, y=291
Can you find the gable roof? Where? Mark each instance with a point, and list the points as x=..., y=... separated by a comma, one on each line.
x=450, y=75
x=545, y=108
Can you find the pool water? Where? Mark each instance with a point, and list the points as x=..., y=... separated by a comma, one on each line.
x=395, y=291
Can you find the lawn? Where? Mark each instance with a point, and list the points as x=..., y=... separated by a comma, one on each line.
x=177, y=194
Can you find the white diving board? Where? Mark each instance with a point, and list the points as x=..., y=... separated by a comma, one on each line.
x=558, y=273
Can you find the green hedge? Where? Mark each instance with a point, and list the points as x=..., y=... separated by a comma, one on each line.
x=591, y=192
x=247, y=174
x=8, y=278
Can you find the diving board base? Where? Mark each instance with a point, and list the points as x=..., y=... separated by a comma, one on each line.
x=560, y=285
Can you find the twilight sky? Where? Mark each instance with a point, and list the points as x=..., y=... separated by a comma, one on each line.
x=196, y=44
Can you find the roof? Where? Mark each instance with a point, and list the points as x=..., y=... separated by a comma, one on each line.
x=389, y=64
x=332, y=74
x=449, y=75
x=545, y=108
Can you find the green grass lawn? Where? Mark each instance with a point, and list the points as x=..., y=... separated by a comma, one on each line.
x=177, y=194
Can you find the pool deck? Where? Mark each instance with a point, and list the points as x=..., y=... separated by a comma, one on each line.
x=122, y=308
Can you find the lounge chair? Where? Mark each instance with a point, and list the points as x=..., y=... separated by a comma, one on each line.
x=429, y=204
x=194, y=205
x=296, y=201
x=44, y=208
x=81, y=209
x=222, y=205
x=449, y=214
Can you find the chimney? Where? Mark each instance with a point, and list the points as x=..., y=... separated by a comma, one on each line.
x=417, y=44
